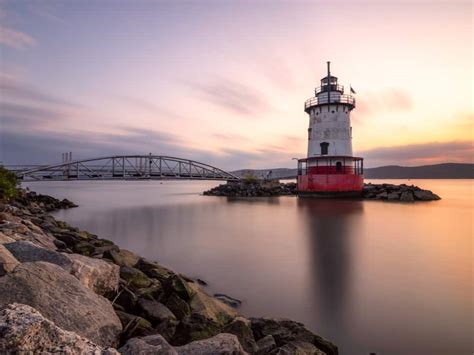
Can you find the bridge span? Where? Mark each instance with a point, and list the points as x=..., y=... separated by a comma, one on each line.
x=124, y=167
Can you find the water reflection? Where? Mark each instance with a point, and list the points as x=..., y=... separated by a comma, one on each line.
x=331, y=225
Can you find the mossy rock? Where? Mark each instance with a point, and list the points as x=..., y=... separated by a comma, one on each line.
x=133, y=326
x=84, y=248
x=154, y=270
x=179, y=286
x=154, y=292
x=122, y=257
x=178, y=306
x=134, y=277
x=194, y=327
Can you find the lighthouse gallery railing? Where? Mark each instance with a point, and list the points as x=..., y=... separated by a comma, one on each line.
x=336, y=99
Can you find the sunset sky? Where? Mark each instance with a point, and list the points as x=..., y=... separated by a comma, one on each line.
x=224, y=82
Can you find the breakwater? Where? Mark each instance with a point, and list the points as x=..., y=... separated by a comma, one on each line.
x=74, y=292
x=262, y=188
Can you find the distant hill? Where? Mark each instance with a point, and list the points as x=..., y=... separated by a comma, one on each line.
x=438, y=171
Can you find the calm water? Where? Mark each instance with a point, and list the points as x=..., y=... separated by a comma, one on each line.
x=371, y=276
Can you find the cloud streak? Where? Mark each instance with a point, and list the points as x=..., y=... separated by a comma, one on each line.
x=233, y=96
x=15, y=39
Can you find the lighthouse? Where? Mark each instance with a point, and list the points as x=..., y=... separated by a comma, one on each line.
x=330, y=169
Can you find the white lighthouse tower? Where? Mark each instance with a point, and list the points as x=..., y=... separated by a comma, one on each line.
x=330, y=169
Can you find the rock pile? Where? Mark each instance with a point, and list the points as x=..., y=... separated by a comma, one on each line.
x=72, y=292
x=258, y=188
x=262, y=188
x=404, y=193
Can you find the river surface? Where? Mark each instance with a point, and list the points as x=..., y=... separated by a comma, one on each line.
x=372, y=276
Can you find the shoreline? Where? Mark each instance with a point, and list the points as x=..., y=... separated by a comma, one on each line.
x=90, y=295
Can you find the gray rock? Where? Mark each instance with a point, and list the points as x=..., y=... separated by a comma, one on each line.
x=61, y=298
x=286, y=330
x=122, y=257
x=8, y=263
x=179, y=307
x=134, y=277
x=221, y=344
x=24, y=330
x=154, y=270
x=241, y=327
x=25, y=251
x=134, y=326
x=98, y=275
x=425, y=195
x=160, y=316
x=149, y=345
x=209, y=307
x=407, y=196
x=297, y=348
x=393, y=196
x=230, y=301
x=265, y=345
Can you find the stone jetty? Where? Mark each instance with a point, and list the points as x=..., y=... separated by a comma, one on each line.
x=66, y=290
x=262, y=188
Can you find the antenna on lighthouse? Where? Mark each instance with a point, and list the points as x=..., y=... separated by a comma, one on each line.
x=329, y=70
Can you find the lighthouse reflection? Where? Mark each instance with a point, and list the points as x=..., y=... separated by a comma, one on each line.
x=330, y=229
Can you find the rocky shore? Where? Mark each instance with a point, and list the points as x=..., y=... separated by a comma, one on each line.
x=68, y=291
x=262, y=188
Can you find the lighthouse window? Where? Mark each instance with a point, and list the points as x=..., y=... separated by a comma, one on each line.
x=324, y=148
x=309, y=133
x=338, y=166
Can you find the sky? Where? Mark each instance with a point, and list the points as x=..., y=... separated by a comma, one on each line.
x=224, y=82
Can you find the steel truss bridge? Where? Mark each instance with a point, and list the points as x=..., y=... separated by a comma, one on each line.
x=126, y=167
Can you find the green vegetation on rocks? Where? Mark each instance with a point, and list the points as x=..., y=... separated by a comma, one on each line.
x=8, y=185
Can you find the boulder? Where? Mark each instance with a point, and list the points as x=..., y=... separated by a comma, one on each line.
x=179, y=286
x=265, y=345
x=425, y=195
x=122, y=257
x=297, y=348
x=134, y=326
x=195, y=327
x=24, y=330
x=221, y=344
x=154, y=292
x=241, y=327
x=8, y=263
x=154, y=270
x=61, y=298
x=4, y=239
x=393, y=196
x=209, y=307
x=134, y=277
x=285, y=331
x=179, y=307
x=98, y=275
x=149, y=345
x=159, y=316
x=25, y=251
x=230, y=301
x=208, y=317
x=126, y=299
x=407, y=196
x=84, y=248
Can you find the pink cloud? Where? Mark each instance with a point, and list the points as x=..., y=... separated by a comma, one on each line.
x=15, y=39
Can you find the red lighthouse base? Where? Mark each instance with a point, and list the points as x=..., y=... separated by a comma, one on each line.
x=330, y=177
